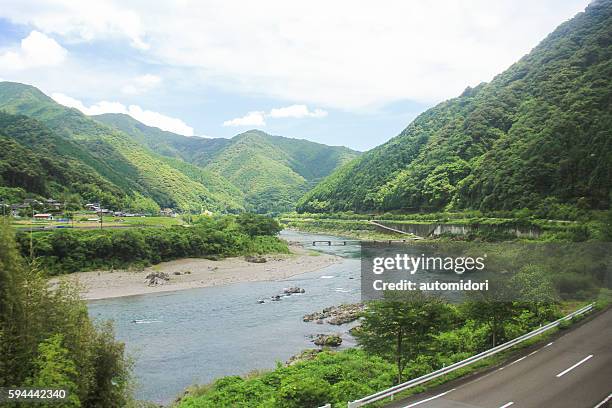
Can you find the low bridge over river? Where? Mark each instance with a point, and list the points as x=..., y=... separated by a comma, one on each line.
x=345, y=242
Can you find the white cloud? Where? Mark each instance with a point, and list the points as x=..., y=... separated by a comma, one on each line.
x=36, y=50
x=257, y=118
x=149, y=118
x=354, y=55
x=78, y=23
x=141, y=84
x=161, y=121
x=296, y=111
x=250, y=119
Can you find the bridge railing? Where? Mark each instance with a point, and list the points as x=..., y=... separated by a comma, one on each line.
x=446, y=370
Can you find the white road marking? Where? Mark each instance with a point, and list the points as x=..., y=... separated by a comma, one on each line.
x=562, y=373
x=533, y=352
x=429, y=399
x=604, y=401
x=514, y=362
x=507, y=405
x=548, y=344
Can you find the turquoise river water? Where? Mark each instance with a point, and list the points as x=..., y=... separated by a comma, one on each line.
x=194, y=336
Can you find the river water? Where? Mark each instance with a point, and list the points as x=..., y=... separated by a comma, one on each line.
x=194, y=336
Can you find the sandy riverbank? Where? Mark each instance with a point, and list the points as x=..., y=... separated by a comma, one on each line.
x=200, y=273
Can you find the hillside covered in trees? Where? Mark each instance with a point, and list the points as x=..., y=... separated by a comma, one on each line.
x=272, y=172
x=538, y=136
x=134, y=170
x=55, y=151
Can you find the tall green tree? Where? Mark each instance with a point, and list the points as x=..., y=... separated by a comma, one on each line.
x=535, y=289
x=46, y=335
x=55, y=370
x=401, y=326
x=494, y=308
x=256, y=225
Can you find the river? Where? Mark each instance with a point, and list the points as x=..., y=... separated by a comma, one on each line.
x=194, y=336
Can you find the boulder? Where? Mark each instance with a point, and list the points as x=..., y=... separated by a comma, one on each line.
x=255, y=259
x=336, y=315
x=156, y=278
x=293, y=289
x=328, y=340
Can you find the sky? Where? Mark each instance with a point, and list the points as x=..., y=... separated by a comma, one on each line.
x=342, y=72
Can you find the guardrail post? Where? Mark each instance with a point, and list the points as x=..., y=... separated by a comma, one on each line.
x=354, y=405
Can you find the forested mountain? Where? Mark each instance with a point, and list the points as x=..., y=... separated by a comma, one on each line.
x=132, y=170
x=538, y=136
x=38, y=161
x=50, y=150
x=196, y=150
x=272, y=172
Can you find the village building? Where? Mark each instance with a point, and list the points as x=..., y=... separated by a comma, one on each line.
x=52, y=204
x=167, y=212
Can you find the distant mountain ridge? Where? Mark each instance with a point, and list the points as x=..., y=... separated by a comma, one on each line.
x=272, y=172
x=115, y=159
x=538, y=136
x=115, y=156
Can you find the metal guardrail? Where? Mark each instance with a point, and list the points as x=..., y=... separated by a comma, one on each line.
x=446, y=370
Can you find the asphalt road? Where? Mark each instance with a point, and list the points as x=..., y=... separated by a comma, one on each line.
x=572, y=371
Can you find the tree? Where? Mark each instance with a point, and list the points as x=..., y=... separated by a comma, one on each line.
x=536, y=290
x=255, y=224
x=492, y=308
x=112, y=386
x=55, y=370
x=400, y=326
x=46, y=336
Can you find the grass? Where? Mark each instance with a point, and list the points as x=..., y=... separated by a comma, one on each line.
x=79, y=221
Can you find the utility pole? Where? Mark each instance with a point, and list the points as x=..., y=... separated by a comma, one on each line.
x=31, y=232
x=4, y=218
x=100, y=212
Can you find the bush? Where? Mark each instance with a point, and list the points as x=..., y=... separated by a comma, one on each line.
x=330, y=377
x=257, y=225
x=303, y=392
x=63, y=251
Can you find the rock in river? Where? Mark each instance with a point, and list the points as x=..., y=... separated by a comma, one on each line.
x=337, y=315
x=293, y=289
x=328, y=340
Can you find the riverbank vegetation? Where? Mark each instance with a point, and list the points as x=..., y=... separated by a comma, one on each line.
x=409, y=334
x=65, y=251
x=387, y=353
x=48, y=341
x=483, y=226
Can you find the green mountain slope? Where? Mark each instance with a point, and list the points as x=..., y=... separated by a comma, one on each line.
x=38, y=161
x=271, y=172
x=538, y=135
x=195, y=150
x=114, y=155
x=274, y=171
